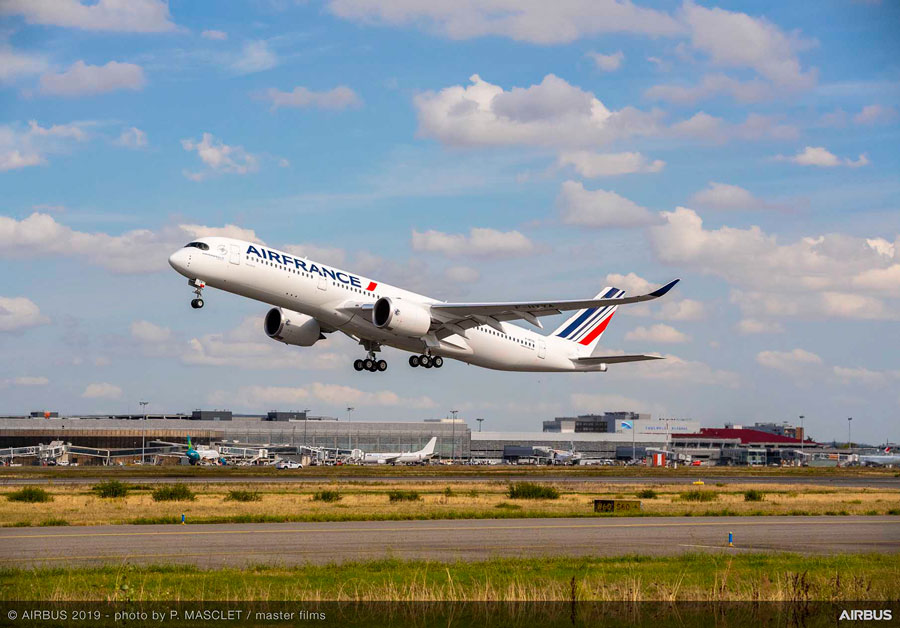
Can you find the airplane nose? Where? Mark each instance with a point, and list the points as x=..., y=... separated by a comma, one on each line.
x=176, y=260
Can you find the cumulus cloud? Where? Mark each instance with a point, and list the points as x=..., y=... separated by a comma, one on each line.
x=18, y=313
x=480, y=242
x=551, y=113
x=150, y=333
x=533, y=21
x=682, y=310
x=132, y=137
x=875, y=114
x=677, y=369
x=330, y=394
x=599, y=208
x=21, y=148
x=255, y=56
x=15, y=64
x=823, y=158
x=607, y=63
x=712, y=85
x=228, y=231
x=704, y=127
x=726, y=197
x=82, y=79
x=592, y=165
x=340, y=97
x=748, y=326
x=214, y=34
x=462, y=274
x=670, y=310
x=733, y=39
x=137, y=251
x=135, y=16
x=102, y=390
x=657, y=333
x=219, y=157
x=796, y=362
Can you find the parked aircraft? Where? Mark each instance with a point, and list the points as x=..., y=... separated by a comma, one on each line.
x=422, y=455
x=561, y=456
x=312, y=300
x=881, y=460
x=203, y=454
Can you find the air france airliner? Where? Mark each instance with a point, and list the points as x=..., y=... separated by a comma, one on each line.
x=312, y=300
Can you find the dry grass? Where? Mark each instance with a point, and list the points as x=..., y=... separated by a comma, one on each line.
x=363, y=500
x=694, y=577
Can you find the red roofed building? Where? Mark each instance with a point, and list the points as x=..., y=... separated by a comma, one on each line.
x=743, y=435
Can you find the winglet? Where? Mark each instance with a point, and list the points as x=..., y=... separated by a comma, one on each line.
x=665, y=288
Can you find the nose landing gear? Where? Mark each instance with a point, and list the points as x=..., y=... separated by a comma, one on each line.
x=198, y=286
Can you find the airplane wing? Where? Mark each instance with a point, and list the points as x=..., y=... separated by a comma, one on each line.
x=615, y=359
x=466, y=315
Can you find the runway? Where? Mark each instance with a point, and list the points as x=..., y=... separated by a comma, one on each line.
x=862, y=481
x=292, y=543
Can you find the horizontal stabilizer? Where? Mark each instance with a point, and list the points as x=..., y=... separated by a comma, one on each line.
x=615, y=359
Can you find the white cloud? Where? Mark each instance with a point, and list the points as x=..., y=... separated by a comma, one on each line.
x=132, y=137
x=480, y=242
x=228, y=231
x=591, y=165
x=607, y=63
x=330, y=394
x=875, y=114
x=599, y=208
x=712, y=85
x=682, y=310
x=340, y=97
x=219, y=157
x=674, y=368
x=669, y=310
x=552, y=113
x=862, y=375
x=30, y=381
x=534, y=21
x=756, y=127
x=733, y=39
x=797, y=362
x=462, y=274
x=82, y=79
x=136, y=251
x=726, y=197
x=145, y=331
x=829, y=275
x=23, y=148
x=255, y=56
x=214, y=34
x=136, y=16
x=748, y=326
x=657, y=333
x=102, y=390
x=15, y=63
x=630, y=283
x=823, y=158
x=19, y=313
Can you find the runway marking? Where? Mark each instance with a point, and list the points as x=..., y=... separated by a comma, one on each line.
x=828, y=521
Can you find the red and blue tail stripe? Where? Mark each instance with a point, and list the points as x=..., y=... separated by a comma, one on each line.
x=586, y=326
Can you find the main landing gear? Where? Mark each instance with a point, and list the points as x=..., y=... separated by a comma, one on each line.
x=198, y=290
x=370, y=363
x=426, y=361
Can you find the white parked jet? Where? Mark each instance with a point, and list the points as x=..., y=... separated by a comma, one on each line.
x=422, y=455
x=313, y=299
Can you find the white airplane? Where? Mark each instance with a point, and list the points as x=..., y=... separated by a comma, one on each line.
x=422, y=455
x=313, y=299
x=886, y=459
x=203, y=454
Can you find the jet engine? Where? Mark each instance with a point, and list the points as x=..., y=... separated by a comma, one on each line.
x=292, y=328
x=401, y=317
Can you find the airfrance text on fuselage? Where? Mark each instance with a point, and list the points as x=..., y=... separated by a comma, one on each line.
x=310, y=267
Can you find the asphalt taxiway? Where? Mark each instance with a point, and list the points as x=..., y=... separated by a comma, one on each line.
x=479, y=539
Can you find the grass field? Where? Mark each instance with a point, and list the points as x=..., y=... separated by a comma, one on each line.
x=360, y=500
x=696, y=577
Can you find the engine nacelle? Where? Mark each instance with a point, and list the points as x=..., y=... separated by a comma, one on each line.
x=401, y=317
x=292, y=328
x=603, y=368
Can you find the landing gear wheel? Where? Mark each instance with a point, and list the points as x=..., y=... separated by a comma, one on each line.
x=369, y=364
x=196, y=303
x=358, y=365
x=414, y=361
x=425, y=361
x=381, y=365
x=438, y=362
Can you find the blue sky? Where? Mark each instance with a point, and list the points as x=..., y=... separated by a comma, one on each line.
x=473, y=151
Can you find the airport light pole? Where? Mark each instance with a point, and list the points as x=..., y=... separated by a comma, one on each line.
x=305, y=425
x=480, y=421
x=802, y=433
x=849, y=439
x=349, y=435
x=143, y=405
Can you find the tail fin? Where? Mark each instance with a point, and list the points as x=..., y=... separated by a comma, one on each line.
x=429, y=448
x=586, y=326
x=190, y=445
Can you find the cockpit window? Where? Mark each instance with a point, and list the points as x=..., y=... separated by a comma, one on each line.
x=198, y=245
